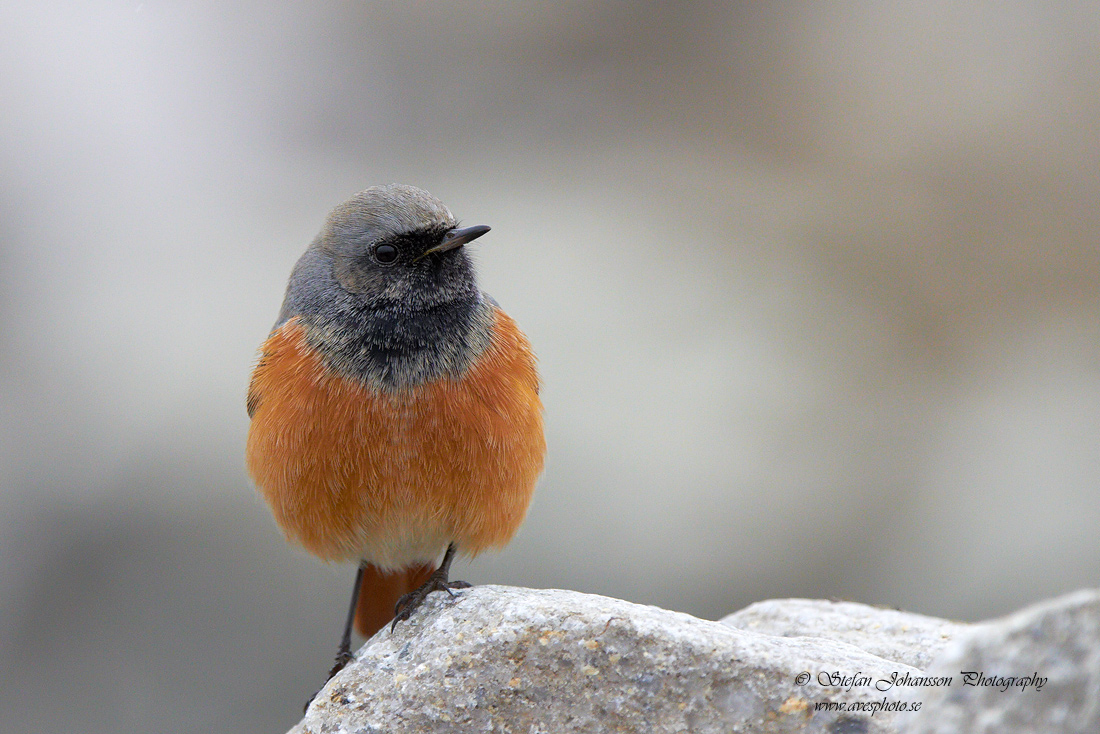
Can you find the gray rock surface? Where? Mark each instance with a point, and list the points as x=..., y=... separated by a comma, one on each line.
x=1058, y=640
x=904, y=637
x=502, y=659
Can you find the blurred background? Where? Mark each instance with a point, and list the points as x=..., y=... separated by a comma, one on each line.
x=815, y=291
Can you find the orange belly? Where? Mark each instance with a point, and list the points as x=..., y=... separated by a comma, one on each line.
x=352, y=473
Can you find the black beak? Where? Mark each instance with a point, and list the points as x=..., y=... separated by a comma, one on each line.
x=457, y=237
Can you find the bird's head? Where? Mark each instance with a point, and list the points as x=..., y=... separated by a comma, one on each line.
x=399, y=245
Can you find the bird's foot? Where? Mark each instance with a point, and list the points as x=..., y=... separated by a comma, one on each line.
x=342, y=659
x=410, y=602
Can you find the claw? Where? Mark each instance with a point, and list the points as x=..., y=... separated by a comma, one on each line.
x=410, y=602
x=306, y=707
x=342, y=661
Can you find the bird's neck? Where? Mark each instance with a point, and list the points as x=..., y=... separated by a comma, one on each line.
x=393, y=347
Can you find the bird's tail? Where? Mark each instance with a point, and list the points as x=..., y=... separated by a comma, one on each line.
x=379, y=594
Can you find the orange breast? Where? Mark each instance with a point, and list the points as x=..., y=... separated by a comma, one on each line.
x=391, y=477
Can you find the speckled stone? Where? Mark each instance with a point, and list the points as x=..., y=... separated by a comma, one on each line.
x=1057, y=639
x=501, y=659
x=904, y=637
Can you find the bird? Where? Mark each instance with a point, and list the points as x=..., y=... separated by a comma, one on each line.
x=394, y=406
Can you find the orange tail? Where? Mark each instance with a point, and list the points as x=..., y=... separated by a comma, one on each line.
x=379, y=594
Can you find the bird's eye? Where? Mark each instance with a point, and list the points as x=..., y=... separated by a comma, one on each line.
x=385, y=254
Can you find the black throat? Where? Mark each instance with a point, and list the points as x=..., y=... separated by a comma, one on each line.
x=391, y=347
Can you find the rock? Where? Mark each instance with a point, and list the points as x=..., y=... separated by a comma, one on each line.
x=904, y=637
x=1053, y=646
x=518, y=660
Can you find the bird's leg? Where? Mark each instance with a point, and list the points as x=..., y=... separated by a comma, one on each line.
x=343, y=655
x=409, y=603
